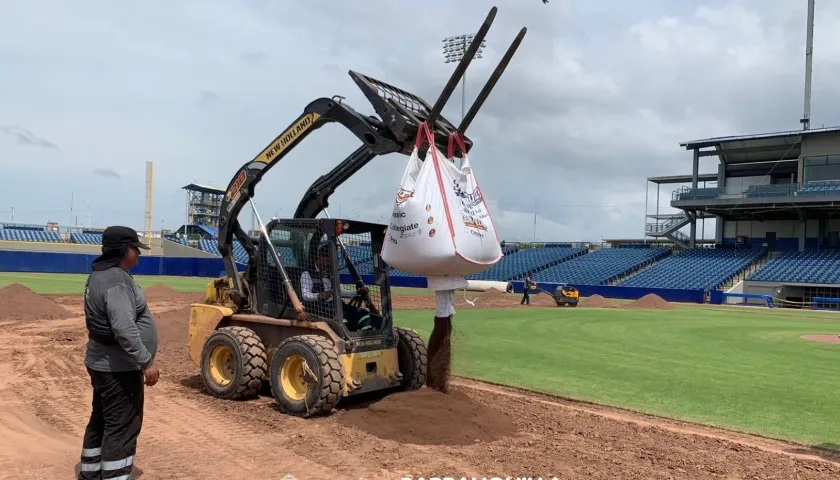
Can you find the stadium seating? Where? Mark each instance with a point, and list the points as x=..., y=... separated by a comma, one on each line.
x=27, y=235
x=821, y=267
x=696, y=268
x=821, y=188
x=600, y=266
x=86, y=238
x=517, y=264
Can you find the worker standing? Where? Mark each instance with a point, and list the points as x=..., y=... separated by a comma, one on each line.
x=122, y=343
x=526, y=296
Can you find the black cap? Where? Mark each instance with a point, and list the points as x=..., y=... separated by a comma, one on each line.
x=118, y=236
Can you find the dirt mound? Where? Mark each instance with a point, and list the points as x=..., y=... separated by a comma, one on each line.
x=651, y=302
x=597, y=301
x=543, y=299
x=173, y=334
x=492, y=293
x=17, y=302
x=429, y=417
x=162, y=293
x=832, y=339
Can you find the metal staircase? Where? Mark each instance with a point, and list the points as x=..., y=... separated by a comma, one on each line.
x=670, y=229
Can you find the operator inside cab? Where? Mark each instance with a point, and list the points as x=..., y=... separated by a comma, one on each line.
x=320, y=295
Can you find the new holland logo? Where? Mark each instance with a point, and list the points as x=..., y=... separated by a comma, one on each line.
x=404, y=195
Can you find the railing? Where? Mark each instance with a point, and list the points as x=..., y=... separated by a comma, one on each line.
x=672, y=223
x=752, y=191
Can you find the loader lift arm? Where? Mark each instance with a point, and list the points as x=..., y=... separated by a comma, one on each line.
x=400, y=115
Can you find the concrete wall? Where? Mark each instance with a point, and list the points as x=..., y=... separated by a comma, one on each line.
x=177, y=250
x=50, y=247
x=783, y=228
x=815, y=145
x=156, y=247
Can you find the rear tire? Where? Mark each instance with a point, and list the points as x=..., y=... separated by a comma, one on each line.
x=233, y=363
x=412, y=357
x=307, y=376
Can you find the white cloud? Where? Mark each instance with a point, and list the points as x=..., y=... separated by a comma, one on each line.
x=597, y=99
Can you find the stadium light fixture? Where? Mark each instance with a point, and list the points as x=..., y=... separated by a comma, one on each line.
x=454, y=49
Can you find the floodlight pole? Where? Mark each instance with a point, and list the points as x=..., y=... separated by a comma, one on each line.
x=454, y=49
x=809, y=53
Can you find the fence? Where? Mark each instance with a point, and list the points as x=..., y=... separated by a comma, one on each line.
x=625, y=293
x=48, y=262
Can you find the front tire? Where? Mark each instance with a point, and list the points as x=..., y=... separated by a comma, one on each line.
x=233, y=363
x=412, y=357
x=307, y=376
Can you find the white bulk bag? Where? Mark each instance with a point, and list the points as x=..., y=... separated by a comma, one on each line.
x=440, y=224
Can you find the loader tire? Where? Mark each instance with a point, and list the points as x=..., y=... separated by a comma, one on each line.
x=307, y=376
x=234, y=363
x=412, y=357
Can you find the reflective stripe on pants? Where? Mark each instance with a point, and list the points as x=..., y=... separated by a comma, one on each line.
x=116, y=419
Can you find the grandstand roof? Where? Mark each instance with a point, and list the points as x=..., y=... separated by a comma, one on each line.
x=763, y=147
x=203, y=189
x=212, y=231
x=669, y=179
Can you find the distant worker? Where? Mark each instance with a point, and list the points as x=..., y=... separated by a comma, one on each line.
x=526, y=296
x=122, y=343
x=320, y=294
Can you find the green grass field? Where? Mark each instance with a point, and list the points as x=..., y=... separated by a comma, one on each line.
x=53, y=283
x=739, y=368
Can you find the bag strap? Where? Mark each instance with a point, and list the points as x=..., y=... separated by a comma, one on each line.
x=455, y=140
x=423, y=134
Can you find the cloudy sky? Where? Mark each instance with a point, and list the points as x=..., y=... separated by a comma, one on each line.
x=597, y=99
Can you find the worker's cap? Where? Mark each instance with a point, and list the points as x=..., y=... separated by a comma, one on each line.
x=119, y=236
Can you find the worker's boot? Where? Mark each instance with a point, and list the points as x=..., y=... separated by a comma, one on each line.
x=439, y=354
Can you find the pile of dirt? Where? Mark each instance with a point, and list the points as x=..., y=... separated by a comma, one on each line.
x=831, y=339
x=162, y=293
x=429, y=417
x=597, y=301
x=542, y=299
x=651, y=302
x=17, y=302
x=492, y=294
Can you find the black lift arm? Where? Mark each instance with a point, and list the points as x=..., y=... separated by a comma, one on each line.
x=400, y=116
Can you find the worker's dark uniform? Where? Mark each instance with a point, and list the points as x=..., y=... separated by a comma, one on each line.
x=526, y=296
x=122, y=342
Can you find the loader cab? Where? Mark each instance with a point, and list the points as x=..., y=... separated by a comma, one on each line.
x=299, y=243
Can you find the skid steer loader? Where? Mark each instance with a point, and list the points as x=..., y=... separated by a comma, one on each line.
x=273, y=324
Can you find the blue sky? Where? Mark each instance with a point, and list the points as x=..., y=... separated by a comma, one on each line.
x=597, y=98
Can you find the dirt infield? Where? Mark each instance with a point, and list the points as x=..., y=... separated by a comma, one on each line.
x=477, y=430
x=490, y=299
x=832, y=339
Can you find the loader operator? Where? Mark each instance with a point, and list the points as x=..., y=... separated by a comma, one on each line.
x=319, y=294
x=120, y=357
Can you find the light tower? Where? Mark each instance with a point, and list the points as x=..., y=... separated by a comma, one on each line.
x=454, y=49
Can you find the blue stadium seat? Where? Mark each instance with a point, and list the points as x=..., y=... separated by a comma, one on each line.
x=86, y=238
x=822, y=188
x=699, y=268
x=600, y=266
x=29, y=235
x=517, y=264
x=821, y=267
